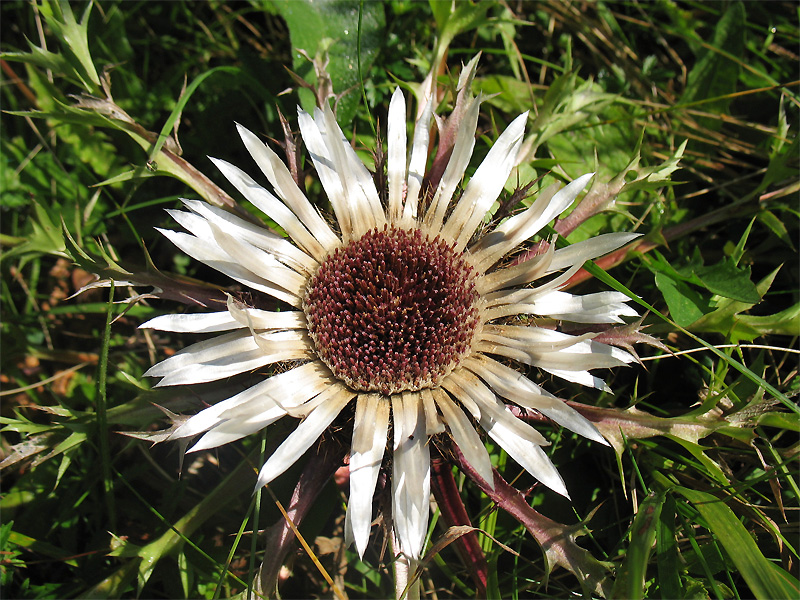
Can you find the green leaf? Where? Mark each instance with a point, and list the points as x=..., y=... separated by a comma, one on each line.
x=74, y=39
x=788, y=421
x=712, y=469
x=441, y=12
x=726, y=319
x=311, y=23
x=605, y=278
x=633, y=571
x=716, y=72
x=764, y=578
x=777, y=227
x=785, y=322
x=40, y=547
x=569, y=101
x=606, y=136
x=45, y=238
x=685, y=305
x=667, y=557
x=39, y=57
x=506, y=93
x=782, y=167
x=175, y=115
x=466, y=16
x=723, y=278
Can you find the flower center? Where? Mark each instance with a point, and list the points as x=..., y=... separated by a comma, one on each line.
x=392, y=311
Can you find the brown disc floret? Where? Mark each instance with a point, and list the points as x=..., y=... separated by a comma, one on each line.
x=392, y=311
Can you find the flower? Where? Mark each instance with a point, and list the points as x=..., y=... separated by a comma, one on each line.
x=397, y=315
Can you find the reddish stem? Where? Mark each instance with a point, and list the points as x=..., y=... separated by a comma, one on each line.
x=454, y=513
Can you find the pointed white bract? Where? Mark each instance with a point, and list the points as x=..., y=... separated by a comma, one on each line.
x=370, y=429
x=456, y=166
x=471, y=387
x=286, y=188
x=485, y=186
x=465, y=436
x=411, y=474
x=416, y=164
x=300, y=440
x=396, y=154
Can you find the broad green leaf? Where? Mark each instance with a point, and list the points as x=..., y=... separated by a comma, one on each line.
x=458, y=17
x=785, y=322
x=690, y=308
x=312, y=25
x=723, y=278
x=508, y=94
x=726, y=319
x=569, y=101
x=606, y=137
x=441, y=12
x=764, y=578
x=685, y=305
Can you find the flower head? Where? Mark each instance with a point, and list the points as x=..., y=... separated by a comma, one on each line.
x=398, y=315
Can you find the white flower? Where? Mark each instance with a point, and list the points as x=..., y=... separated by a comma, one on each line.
x=396, y=314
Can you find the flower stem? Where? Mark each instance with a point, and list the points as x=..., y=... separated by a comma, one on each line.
x=406, y=586
x=455, y=513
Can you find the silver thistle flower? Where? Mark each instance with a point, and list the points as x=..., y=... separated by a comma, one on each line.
x=397, y=315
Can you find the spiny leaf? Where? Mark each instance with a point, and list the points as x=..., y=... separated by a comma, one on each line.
x=723, y=278
x=618, y=425
x=74, y=39
x=557, y=540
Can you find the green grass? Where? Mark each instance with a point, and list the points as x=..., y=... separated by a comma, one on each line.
x=700, y=498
